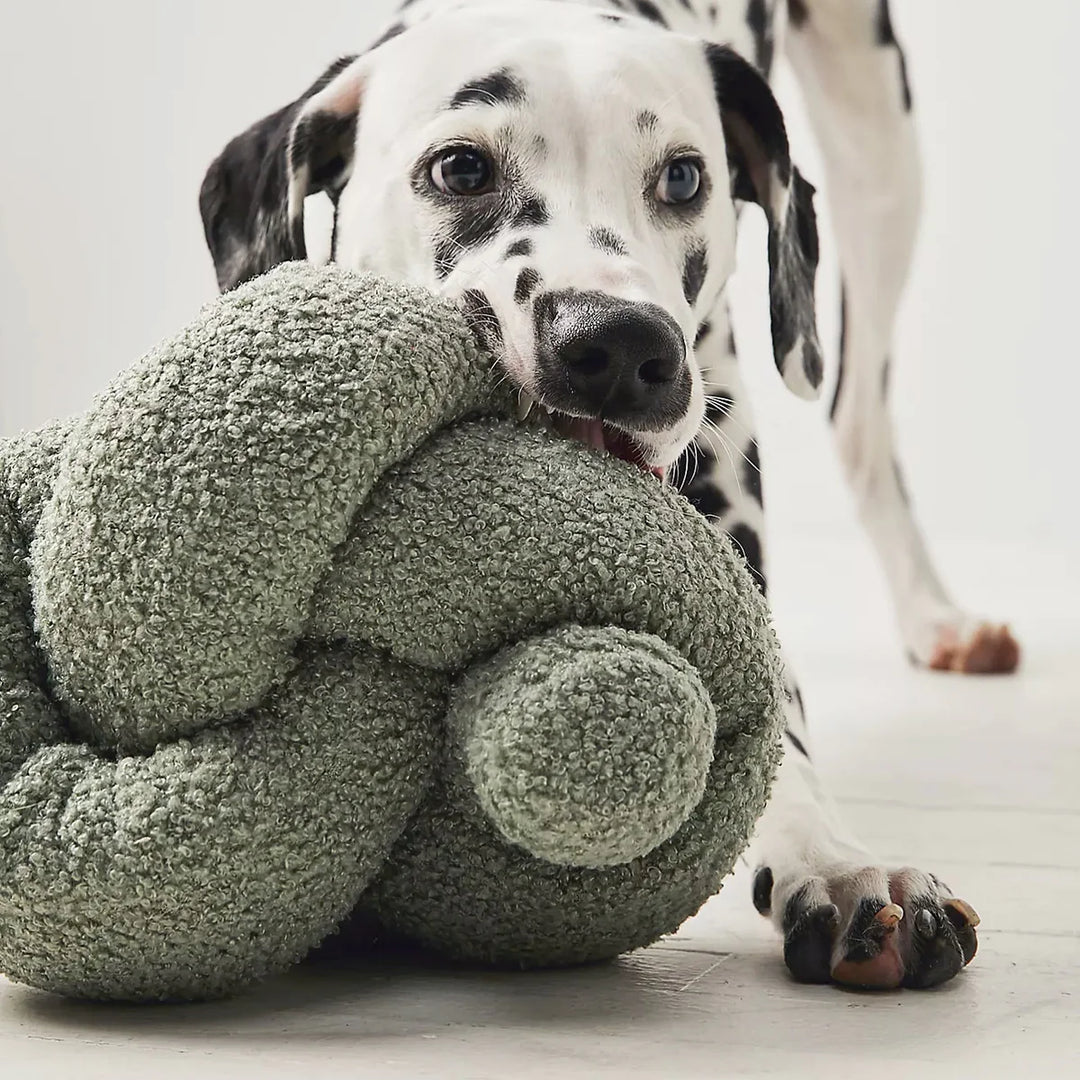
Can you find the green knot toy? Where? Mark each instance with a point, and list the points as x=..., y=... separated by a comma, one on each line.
x=296, y=624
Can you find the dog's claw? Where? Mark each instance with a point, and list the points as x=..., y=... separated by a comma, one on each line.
x=889, y=916
x=962, y=909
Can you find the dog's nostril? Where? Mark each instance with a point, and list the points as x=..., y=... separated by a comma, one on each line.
x=657, y=371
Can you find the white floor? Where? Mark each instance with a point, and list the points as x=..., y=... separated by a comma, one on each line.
x=974, y=778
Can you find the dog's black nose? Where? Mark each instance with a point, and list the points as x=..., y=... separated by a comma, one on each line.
x=616, y=359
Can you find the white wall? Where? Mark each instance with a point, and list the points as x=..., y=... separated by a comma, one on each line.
x=111, y=112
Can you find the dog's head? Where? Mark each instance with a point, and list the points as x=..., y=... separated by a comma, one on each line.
x=569, y=176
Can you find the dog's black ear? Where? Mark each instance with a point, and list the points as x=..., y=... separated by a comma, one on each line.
x=252, y=197
x=759, y=160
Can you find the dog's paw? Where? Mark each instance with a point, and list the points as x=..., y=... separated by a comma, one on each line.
x=869, y=927
x=951, y=641
x=984, y=649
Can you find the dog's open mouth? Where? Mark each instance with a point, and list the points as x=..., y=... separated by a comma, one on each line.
x=598, y=434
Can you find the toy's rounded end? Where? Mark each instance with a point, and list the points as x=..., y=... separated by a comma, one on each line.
x=587, y=746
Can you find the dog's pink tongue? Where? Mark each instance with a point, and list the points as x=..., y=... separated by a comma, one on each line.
x=599, y=436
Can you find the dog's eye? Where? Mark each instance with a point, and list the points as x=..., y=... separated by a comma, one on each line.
x=679, y=182
x=463, y=170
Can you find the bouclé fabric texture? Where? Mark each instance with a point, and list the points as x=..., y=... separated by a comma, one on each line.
x=299, y=630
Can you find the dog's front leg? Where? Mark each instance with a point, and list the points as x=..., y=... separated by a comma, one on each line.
x=844, y=916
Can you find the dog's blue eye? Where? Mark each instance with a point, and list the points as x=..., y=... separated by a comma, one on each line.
x=679, y=182
x=464, y=170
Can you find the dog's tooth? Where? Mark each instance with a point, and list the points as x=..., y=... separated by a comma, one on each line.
x=525, y=403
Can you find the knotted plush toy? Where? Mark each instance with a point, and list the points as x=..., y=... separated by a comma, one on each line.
x=296, y=622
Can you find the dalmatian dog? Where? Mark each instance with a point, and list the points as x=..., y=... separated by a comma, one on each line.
x=571, y=172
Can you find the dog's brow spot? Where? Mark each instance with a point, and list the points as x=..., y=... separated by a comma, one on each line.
x=647, y=120
x=648, y=10
x=499, y=88
x=527, y=282
x=694, y=270
x=524, y=246
x=607, y=240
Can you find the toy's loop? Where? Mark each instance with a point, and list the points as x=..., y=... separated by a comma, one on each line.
x=588, y=746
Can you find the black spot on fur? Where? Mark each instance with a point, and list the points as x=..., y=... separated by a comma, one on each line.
x=900, y=485
x=607, y=240
x=841, y=362
x=648, y=10
x=883, y=27
x=763, y=885
x=752, y=471
x=718, y=406
x=886, y=372
x=388, y=35
x=714, y=12
x=749, y=543
x=886, y=37
x=695, y=268
x=797, y=743
x=527, y=281
x=522, y=246
x=797, y=694
x=797, y=13
x=706, y=498
x=481, y=317
x=760, y=23
x=647, y=120
x=499, y=88
x=812, y=363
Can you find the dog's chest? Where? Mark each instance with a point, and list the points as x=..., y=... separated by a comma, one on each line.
x=747, y=26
